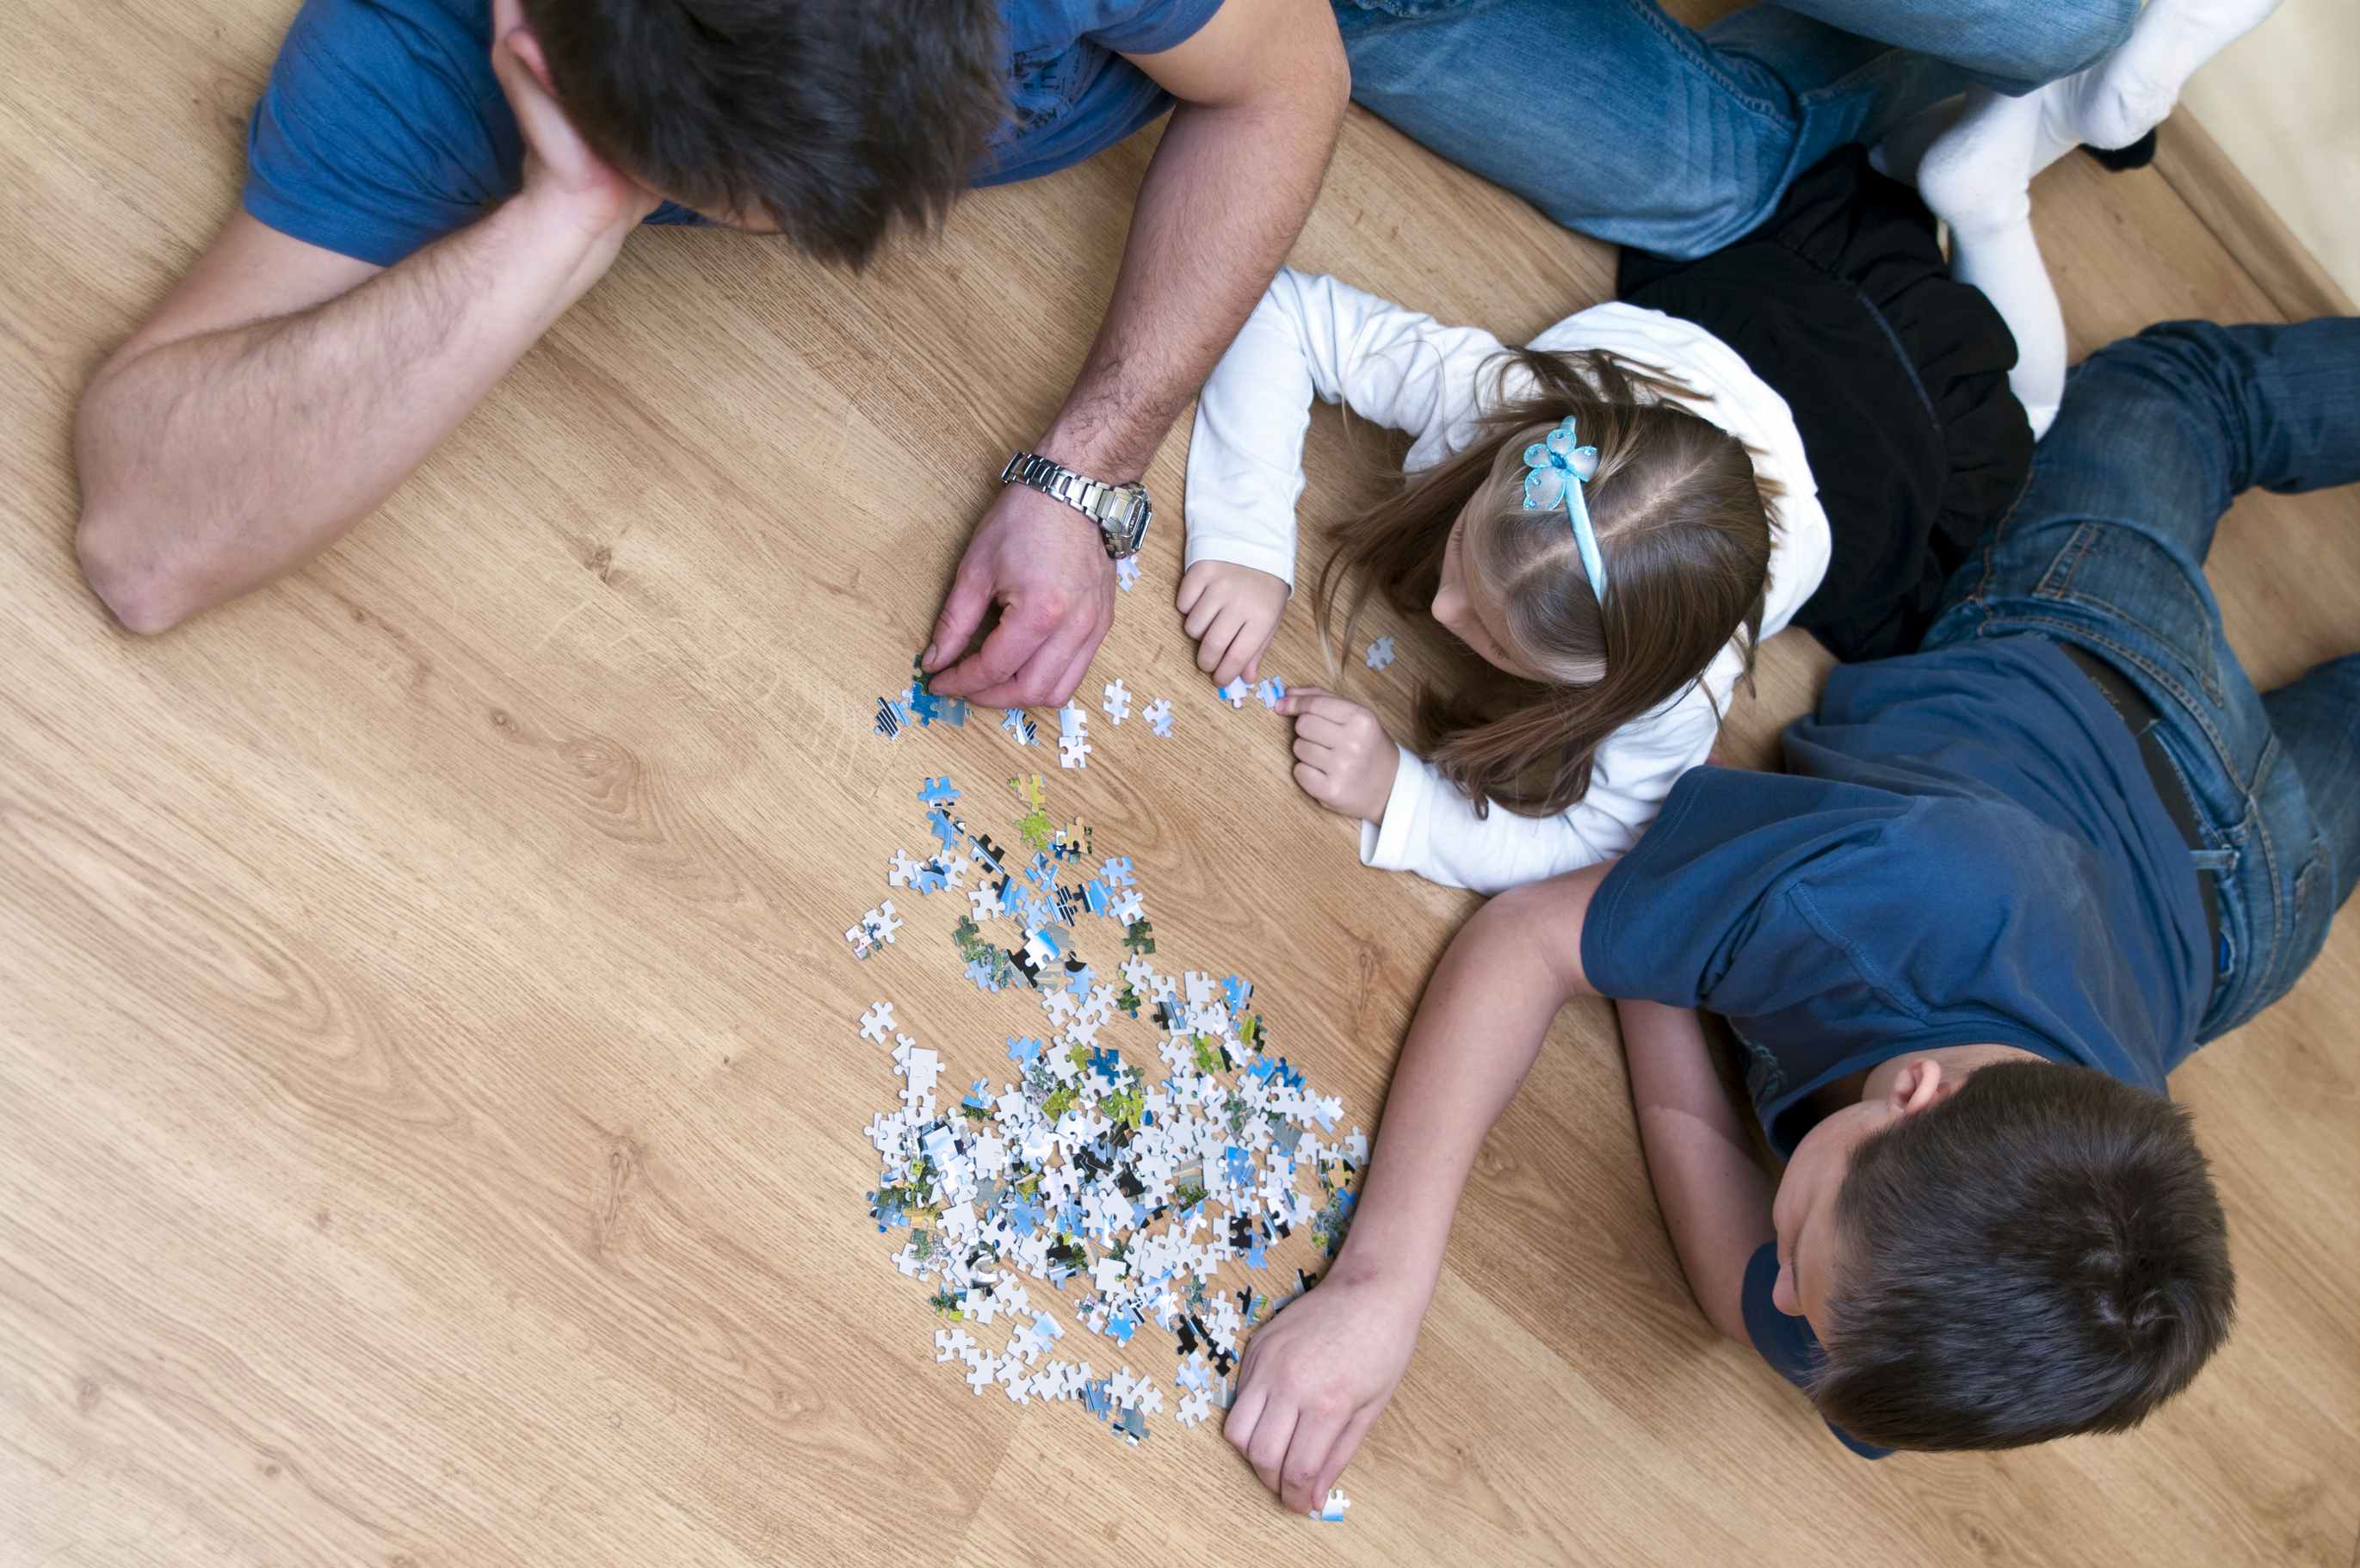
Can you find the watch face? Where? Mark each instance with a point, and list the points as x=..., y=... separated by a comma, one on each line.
x=1132, y=525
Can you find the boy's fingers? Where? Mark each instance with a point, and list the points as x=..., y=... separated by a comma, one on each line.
x=1348, y=1443
x=1268, y=1451
x=1245, y=1410
x=1306, y=1456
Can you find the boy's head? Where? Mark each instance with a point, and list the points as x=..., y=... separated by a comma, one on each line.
x=2023, y=1252
x=827, y=122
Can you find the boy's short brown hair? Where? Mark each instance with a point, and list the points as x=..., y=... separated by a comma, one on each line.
x=2042, y=1253
x=836, y=120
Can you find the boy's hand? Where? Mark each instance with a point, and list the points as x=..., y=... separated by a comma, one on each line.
x=1343, y=759
x=1314, y=1379
x=1232, y=611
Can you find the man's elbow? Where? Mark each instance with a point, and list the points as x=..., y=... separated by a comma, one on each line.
x=119, y=536
x=120, y=561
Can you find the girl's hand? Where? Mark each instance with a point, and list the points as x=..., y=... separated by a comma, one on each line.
x=1314, y=1378
x=1343, y=759
x=1232, y=611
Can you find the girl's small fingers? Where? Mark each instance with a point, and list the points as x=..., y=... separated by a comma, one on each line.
x=1321, y=727
x=1200, y=614
x=1311, y=781
x=1320, y=757
x=1191, y=588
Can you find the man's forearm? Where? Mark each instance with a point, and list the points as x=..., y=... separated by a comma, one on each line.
x=1225, y=195
x=1715, y=1199
x=211, y=463
x=1479, y=1029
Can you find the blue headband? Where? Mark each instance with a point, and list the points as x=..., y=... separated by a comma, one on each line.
x=1559, y=469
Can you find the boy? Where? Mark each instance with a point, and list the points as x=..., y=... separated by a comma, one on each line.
x=2007, y=883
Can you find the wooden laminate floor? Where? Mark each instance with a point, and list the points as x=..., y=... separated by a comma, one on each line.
x=430, y=1110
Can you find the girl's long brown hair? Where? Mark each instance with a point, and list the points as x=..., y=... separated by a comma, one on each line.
x=1683, y=535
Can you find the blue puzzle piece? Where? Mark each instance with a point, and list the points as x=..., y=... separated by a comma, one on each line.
x=985, y=977
x=1077, y=981
x=1098, y=1397
x=1107, y=1064
x=1042, y=872
x=934, y=791
x=1121, y=1326
x=1239, y=1165
x=1237, y=991
x=944, y=827
x=1096, y=896
x=1025, y=1052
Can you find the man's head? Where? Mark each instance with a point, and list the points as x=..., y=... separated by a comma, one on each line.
x=2002, y=1255
x=828, y=122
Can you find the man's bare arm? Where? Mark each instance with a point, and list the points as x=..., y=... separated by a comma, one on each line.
x=1263, y=87
x=214, y=459
x=282, y=390
x=1716, y=1200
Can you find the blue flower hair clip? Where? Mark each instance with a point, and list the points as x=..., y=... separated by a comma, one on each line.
x=1559, y=469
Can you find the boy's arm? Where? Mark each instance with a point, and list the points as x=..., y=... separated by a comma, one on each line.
x=1716, y=1200
x=1314, y=1379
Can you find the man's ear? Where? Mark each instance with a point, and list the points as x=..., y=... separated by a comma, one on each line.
x=1917, y=1087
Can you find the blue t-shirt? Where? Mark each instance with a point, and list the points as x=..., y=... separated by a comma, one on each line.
x=383, y=128
x=1966, y=849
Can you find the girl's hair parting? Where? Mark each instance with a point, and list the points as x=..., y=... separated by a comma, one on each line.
x=1683, y=535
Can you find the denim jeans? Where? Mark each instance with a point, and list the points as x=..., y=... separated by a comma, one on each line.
x=1616, y=120
x=2106, y=549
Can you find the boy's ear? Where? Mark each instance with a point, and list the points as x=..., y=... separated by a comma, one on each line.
x=1917, y=1086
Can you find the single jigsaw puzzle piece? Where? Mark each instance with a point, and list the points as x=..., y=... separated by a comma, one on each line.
x=1381, y=653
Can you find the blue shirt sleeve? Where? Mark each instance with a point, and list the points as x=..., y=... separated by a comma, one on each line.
x=1127, y=27
x=1788, y=1344
x=382, y=128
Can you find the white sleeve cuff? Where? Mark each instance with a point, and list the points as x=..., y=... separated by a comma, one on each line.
x=1385, y=846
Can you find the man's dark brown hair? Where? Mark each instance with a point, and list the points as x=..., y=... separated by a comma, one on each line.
x=837, y=118
x=2040, y=1254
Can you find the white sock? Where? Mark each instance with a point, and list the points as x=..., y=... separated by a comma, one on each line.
x=1977, y=178
x=2127, y=94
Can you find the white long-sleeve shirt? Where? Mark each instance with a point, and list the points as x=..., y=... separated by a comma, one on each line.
x=1315, y=335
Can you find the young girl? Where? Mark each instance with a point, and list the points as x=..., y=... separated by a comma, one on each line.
x=1611, y=518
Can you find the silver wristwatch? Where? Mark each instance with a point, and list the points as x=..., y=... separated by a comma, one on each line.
x=1121, y=511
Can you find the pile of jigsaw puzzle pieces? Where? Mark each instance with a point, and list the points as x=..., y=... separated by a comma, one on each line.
x=1134, y=1179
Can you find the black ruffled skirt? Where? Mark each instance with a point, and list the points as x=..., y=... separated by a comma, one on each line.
x=1897, y=378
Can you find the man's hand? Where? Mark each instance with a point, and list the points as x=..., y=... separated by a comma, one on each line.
x=561, y=172
x=1343, y=759
x=1046, y=567
x=1232, y=611
x=1315, y=1377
